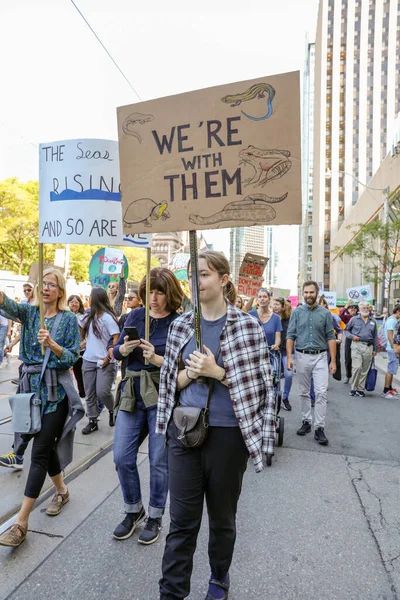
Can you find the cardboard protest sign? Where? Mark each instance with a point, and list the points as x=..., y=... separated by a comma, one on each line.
x=33, y=276
x=226, y=156
x=80, y=195
x=251, y=274
x=358, y=293
x=179, y=266
x=279, y=292
x=113, y=261
x=330, y=297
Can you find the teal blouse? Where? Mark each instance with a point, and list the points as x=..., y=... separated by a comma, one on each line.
x=67, y=337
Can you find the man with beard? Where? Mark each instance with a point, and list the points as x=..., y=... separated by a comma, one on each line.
x=311, y=328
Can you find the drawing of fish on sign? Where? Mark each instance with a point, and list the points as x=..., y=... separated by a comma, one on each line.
x=145, y=210
x=256, y=91
x=268, y=165
x=132, y=121
x=252, y=210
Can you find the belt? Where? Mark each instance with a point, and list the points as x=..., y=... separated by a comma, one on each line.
x=361, y=342
x=310, y=351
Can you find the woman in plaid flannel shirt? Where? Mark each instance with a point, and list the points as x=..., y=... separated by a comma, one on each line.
x=241, y=424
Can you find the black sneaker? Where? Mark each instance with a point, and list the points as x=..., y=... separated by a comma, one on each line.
x=352, y=393
x=125, y=529
x=360, y=394
x=90, y=427
x=312, y=404
x=151, y=531
x=111, y=421
x=304, y=429
x=286, y=404
x=320, y=436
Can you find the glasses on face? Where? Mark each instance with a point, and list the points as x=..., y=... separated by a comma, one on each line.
x=50, y=286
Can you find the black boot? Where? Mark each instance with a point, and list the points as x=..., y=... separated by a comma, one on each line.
x=111, y=421
x=90, y=427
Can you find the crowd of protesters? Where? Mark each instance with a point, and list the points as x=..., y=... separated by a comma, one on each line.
x=162, y=374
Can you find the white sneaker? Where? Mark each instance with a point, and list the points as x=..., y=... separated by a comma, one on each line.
x=8, y=360
x=389, y=395
x=1, y=365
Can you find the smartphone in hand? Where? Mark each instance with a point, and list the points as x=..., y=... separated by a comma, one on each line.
x=132, y=333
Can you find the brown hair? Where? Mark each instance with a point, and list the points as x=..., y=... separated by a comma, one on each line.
x=62, y=300
x=310, y=282
x=164, y=281
x=286, y=306
x=218, y=262
x=323, y=302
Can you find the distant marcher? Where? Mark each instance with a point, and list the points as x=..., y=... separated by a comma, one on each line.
x=132, y=301
x=391, y=327
x=116, y=294
x=29, y=289
x=5, y=330
x=61, y=406
x=99, y=367
x=137, y=406
x=311, y=328
x=283, y=309
x=75, y=305
x=350, y=310
x=270, y=322
x=362, y=330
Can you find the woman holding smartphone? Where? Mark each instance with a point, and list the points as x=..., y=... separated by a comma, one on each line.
x=99, y=367
x=137, y=405
x=241, y=423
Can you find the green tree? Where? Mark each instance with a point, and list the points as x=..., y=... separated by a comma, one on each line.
x=18, y=224
x=378, y=244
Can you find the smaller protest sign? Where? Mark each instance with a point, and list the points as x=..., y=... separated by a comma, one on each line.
x=279, y=292
x=113, y=261
x=33, y=276
x=358, y=293
x=294, y=301
x=179, y=266
x=251, y=274
x=96, y=274
x=330, y=297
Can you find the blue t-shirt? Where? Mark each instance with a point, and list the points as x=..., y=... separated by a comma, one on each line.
x=195, y=394
x=390, y=325
x=270, y=328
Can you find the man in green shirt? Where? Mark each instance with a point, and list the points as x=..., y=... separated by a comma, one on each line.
x=311, y=328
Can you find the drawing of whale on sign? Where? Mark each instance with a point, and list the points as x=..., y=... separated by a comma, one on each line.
x=204, y=156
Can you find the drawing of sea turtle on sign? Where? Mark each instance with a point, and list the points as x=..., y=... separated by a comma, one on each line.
x=256, y=91
x=252, y=210
x=145, y=210
x=268, y=165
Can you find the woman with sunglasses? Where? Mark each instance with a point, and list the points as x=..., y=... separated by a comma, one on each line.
x=241, y=424
x=137, y=406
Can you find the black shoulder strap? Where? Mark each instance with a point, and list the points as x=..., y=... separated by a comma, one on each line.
x=53, y=332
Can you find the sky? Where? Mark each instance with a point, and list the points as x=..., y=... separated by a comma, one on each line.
x=58, y=82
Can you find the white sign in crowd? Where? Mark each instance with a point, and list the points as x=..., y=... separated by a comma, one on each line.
x=80, y=194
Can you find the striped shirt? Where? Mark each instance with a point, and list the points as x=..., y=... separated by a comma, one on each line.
x=246, y=362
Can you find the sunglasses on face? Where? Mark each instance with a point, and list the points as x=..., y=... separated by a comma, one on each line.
x=131, y=298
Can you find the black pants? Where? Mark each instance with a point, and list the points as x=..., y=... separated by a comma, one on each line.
x=215, y=470
x=44, y=457
x=347, y=357
x=77, y=368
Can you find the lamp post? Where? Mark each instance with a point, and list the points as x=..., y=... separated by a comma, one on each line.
x=386, y=191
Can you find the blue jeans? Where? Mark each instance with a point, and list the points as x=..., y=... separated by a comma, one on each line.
x=288, y=377
x=3, y=335
x=129, y=428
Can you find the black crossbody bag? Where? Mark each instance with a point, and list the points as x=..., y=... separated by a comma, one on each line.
x=192, y=421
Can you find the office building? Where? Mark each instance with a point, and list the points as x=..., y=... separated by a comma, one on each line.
x=357, y=97
x=242, y=240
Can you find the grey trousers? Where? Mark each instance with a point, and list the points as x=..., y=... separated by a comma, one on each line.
x=315, y=366
x=361, y=358
x=98, y=382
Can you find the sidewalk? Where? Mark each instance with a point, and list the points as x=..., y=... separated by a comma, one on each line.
x=12, y=483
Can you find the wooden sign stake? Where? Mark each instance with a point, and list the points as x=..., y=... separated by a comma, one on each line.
x=194, y=266
x=40, y=290
x=147, y=315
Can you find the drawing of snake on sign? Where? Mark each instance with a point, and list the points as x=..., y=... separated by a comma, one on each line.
x=132, y=121
x=268, y=165
x=259, y=90
x=252, y=210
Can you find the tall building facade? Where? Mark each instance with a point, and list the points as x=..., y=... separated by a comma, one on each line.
x=242, y=240
x=357, y=83
x=307, y=162
x=272, y=264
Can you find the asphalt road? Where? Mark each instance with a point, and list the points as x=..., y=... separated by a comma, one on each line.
x=321, y=522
